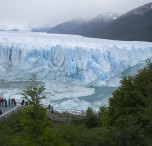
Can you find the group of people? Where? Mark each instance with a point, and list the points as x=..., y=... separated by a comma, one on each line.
x=8, y=102
x=12, y=102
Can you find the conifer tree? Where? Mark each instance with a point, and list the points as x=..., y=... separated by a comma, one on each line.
x=34, y=121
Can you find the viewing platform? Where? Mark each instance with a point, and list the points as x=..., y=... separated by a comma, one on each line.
x=6, y=109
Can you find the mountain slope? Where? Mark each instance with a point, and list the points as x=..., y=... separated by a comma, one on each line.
x=66, y=27
x=134, y=25
x=85, y=28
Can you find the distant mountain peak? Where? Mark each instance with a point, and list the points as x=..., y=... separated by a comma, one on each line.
x=135, y=25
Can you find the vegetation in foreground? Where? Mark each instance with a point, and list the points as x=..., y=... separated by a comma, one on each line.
x=126, y=122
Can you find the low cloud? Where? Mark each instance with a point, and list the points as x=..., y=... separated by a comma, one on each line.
x=52, y=12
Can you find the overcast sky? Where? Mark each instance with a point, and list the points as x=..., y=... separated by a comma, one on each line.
x=53, y=12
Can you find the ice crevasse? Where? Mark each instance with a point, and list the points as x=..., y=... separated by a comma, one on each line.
x=70, y=58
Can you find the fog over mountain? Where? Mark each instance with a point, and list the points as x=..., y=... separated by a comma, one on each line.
x=26, y=14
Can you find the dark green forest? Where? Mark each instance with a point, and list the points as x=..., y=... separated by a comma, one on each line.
x=126, y=122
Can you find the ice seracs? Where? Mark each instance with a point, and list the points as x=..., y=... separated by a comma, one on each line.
x=76, y=59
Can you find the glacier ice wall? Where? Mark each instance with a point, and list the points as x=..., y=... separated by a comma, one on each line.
x=76, y=59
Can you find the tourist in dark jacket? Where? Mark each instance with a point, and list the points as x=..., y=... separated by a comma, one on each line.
x=52, y=111
x=2, y=101
x=23, y=102
x=9, y=101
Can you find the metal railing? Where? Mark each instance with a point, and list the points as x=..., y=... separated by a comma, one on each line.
x=68, y=113
x=7, y=114
x=75, y=112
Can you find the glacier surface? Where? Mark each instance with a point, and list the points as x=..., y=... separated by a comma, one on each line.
x=68, y=58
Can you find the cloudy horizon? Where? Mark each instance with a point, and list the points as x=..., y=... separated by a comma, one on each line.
x=19, y=13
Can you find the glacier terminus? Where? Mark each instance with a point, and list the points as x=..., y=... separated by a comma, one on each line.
x=69, y=58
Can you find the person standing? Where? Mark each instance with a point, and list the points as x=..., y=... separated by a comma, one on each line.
x=14, y=102
x=23, y=102
x=9, y=101
x=2, y=101
x=5, y=103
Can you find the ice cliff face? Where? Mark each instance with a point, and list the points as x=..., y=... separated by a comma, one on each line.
x=75, y=59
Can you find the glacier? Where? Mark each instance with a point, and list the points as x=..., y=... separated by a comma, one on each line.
x=69, y=58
